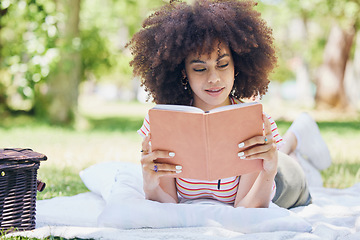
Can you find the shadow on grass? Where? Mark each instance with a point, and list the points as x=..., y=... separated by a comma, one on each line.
x=21, y=120
x=121, y=123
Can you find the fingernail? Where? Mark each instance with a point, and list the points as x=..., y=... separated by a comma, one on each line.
x=240, y=154
x=150, y=143
x=241, y=145
x=179, y=171
x=242, y=157
x=178, y=167
x=171, y=154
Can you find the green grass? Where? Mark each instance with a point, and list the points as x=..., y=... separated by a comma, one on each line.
x=60, y=182
x=22, y=238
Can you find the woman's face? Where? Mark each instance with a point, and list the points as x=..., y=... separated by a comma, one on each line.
x=211, y=77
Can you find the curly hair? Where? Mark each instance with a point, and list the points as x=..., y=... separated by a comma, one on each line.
x=177, y=29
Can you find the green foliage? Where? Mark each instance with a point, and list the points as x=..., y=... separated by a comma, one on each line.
x=31, y=44
x=96, y=57
x=104, y=32
x=301, y=29
x=135, y=12
x=27, y=36
x=282, y=73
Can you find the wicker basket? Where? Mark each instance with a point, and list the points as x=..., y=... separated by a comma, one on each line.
x=18, y=186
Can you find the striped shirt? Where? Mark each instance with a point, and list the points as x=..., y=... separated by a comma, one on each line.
x=223, y=190
x=194, y=189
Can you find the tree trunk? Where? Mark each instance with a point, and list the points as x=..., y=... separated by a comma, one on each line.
x=2, y=88
x=61, y=93
x=330, y=91
x=352, y=77
x=304, y=94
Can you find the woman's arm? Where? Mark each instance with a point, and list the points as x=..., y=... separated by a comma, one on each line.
x=159, y=181
x=255, y=189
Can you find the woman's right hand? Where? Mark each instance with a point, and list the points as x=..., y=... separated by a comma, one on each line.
x=152, y=171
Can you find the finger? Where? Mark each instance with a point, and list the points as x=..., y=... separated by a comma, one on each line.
x=253, y=142
x=258, y=151
x=263, y=148
x=165, y=173
x=160, y=170
x=164, y=167
x=268, y=139
x=150, y=157
x=145, y=146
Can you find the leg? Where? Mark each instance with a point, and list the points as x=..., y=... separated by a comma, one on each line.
x=291, y=185
x=312, y=174
x=291, y=143
x=309, y=142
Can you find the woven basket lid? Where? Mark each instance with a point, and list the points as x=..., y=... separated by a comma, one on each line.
x=21, y=154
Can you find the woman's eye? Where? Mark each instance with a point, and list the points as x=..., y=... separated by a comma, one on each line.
x=199, y=69
x=223, y=65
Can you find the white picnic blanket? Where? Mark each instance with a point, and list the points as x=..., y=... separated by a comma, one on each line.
x=115, y=208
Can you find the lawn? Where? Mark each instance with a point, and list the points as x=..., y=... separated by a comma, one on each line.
x=107, y=132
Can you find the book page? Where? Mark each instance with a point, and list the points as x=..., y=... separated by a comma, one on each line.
x=179, y=108
x=228, y=107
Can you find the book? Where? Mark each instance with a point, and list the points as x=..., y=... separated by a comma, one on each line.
x=206, y=143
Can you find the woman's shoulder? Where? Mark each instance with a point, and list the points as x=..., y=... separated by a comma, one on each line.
x=234, y=100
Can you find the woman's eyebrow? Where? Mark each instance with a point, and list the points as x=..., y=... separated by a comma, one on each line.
x=218, y=59
x=222, y=56
x=196, y=61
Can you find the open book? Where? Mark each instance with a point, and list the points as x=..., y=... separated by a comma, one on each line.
x=206, y=143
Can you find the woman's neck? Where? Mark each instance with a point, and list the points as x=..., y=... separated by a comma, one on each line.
x=207, y=107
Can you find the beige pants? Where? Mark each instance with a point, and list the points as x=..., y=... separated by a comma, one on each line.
x=291, y=186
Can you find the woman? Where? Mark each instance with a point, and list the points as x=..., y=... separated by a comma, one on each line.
x=210, y=54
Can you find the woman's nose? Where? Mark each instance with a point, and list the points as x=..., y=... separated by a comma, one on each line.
x=213, y=77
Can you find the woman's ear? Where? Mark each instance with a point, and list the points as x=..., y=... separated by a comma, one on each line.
x=183, y=72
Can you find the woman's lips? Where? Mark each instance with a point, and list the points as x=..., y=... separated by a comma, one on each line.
x=214, y=91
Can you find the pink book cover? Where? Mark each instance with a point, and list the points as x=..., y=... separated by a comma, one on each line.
x=206, y=143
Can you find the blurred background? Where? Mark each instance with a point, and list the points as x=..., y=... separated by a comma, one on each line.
x=67, y=90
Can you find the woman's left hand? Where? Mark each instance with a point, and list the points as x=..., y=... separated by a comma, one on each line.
x=261, y=147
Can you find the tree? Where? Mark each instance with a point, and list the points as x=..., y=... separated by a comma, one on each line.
x=2, y=87
x=345, y=16
x=59, y=101
x=27, y=34
x=330, y=79
x=48, y=46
